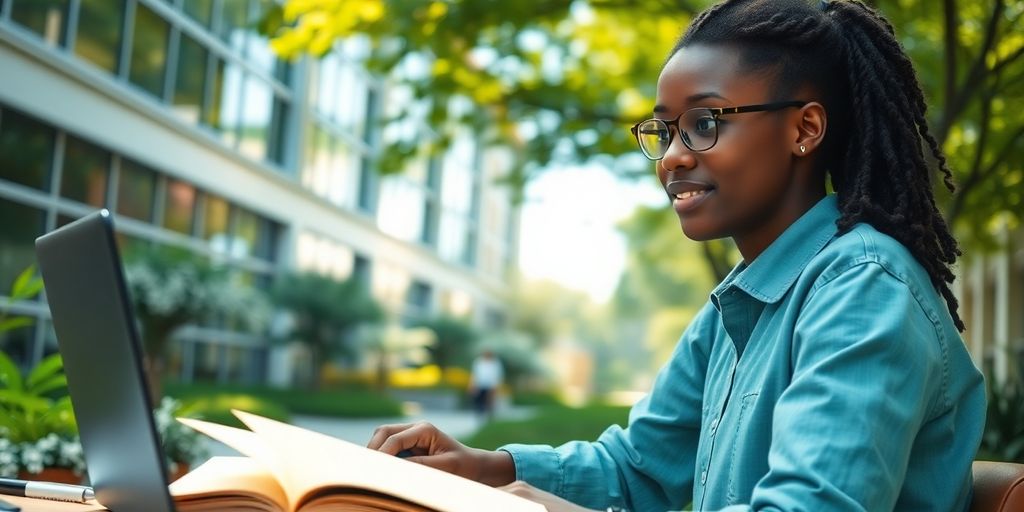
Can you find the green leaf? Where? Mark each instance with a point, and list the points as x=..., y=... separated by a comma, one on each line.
x=28, y=403
x=52, y=383
x=27, y=285
x=10, y=376
x=17, y=322
x=46, y=368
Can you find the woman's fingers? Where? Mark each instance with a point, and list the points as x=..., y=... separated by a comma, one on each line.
x=414, y=438
x=383, y=432
x=421, y=438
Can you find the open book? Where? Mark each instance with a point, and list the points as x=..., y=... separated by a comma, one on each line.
x=287, y=468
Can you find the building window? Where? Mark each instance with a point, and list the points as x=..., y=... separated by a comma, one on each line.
x=362, y=270
x=179, y=206
x=84, y=177
x=255, y=117
x=187, y=100
x=136, y=188
x=18, y=231
x=419, y=299
x=98, y=36
x=149, y=51
x=26, y=150
x=199, y=10
x=215, y=220
x=48, y=18
x=431, y=204
x=233, y=18
x=224, y=100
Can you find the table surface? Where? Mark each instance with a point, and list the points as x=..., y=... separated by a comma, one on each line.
x=37, y=505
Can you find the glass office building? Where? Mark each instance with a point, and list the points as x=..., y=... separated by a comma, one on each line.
x=175, y=115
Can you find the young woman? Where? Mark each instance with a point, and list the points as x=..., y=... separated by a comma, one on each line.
x=827, y=371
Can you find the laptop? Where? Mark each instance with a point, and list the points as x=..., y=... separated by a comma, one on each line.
x=95, y=327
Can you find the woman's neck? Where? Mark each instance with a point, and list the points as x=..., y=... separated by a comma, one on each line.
x=753, y=242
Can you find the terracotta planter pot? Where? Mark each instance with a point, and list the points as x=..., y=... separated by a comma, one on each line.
x=60, y=475
x=181, y=471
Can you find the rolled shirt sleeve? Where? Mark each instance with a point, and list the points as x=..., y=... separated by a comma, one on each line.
x=647, y=466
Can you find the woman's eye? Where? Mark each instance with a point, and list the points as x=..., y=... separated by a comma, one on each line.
x=704, y=125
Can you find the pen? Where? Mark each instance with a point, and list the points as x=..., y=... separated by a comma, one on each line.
x=46, y=490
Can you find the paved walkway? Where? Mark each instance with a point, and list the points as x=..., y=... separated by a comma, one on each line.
x=457, y=423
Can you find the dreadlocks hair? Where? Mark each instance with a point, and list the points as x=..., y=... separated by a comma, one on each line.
x=874, y=150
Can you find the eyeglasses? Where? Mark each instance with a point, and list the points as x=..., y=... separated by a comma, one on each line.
x=698, y=127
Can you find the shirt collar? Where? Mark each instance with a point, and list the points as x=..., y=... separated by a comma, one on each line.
x=772, y=273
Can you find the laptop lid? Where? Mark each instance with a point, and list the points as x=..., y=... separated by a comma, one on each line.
x=95, y=329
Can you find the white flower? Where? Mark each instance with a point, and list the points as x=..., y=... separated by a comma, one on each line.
x=32, y=458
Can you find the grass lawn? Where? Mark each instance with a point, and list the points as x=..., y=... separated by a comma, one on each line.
x=553, y=425
x=216, y=400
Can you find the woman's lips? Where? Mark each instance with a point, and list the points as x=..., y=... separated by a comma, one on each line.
x=688, y=194
x=687, y=201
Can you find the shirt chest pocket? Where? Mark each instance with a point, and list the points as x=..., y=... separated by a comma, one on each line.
x=749, y=439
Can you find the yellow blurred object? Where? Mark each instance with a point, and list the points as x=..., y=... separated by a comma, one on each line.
x=423, y=377
x=335, y=376
x=428, y=376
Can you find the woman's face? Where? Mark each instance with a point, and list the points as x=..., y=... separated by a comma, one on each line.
x=743, y=180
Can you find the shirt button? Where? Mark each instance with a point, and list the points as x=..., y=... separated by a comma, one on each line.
x=703, y=477
x=714, y=427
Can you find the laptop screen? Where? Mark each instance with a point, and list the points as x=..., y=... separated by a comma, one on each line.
x=95, y=329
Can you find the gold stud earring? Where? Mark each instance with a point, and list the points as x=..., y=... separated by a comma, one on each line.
x=803, y=149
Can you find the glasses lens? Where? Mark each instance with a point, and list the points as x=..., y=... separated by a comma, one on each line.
x=653, y=136
x=700, y=129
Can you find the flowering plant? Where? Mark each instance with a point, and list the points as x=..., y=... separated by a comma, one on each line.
x=37, y=425
x=181, y=444
x=51, y=451
x=171, y=289
x=38, y=429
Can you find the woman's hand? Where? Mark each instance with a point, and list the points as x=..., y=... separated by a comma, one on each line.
x=429, y=446
x=551, y=502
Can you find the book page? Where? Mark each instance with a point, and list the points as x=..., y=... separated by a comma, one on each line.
x=315, y=461
x=221, y=478
x=245, y=441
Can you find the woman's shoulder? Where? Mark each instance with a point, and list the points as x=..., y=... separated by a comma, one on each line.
x=863, y=245
x=858, y=254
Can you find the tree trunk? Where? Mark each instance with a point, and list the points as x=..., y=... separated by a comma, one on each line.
x=158, y=337
x=154, y=370
x=382, y=369
x=317, y=371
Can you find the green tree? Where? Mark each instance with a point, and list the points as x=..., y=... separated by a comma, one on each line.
x=561, y=80
x=666, y=280
x=26, y=286
x=325, y=313
x=454, y=341
x=968, y=55
x=172, y=288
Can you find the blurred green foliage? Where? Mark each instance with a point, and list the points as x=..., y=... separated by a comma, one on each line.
x=24, y=287
x=454, y=342
x=561, y=80
x=1003, y=439
x=325, y=313
x=553, y=425
x=216, y=400
x=36, y=404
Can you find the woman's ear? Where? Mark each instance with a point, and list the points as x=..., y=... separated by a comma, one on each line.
x=810, y=129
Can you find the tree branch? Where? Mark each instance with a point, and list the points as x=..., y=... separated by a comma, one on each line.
x=974, y=176
x=975, y=76
x=1000, y=65
x=950, y=43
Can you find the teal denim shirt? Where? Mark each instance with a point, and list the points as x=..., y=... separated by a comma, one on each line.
x=826, y=375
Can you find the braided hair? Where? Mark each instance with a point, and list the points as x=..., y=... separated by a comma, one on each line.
x=874, y=150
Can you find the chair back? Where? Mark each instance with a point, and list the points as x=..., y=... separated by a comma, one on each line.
x=998, y=487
